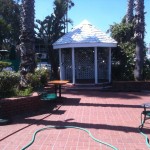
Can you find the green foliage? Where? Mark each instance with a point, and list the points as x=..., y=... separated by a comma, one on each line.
x=123, y=62
x=4, y=31
x=123, y=56
x=9, y=23
x=146, y=69
x=38, y=79
x=22, y=92
x=4, y=64
x=44, y=75
x=52, y=28
x=33, y=80
x=8, y=80
x=122, y=32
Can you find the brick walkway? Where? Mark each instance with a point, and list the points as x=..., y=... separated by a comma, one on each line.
x=110, y=117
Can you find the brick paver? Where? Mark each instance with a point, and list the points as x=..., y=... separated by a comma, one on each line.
x=112, y=117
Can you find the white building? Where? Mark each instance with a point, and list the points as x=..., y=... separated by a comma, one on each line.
x=85, y=55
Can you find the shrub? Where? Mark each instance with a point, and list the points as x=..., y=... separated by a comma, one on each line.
x=8, y=80
x=38, y=79
x=22, y=92
x=44, y=75
x=4, y=64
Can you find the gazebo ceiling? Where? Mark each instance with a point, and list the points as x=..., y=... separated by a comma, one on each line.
x=84, y=35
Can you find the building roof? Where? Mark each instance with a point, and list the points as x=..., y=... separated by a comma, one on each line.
x=85, y=35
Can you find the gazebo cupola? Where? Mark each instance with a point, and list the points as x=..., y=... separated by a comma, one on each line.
x=85, y=55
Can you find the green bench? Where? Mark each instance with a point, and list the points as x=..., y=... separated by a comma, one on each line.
x=48, y=96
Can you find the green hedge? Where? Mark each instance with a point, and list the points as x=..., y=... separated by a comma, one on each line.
x=8, y=81
x=39, y=78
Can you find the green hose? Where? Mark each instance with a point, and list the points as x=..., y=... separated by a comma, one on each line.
x=145, y=136
x=60, y=127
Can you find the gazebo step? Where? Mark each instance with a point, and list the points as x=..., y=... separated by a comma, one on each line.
x=87, y=87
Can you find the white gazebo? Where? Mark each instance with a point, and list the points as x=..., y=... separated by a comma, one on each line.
x=85, y=55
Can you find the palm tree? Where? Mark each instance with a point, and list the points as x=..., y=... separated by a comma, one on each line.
x=129, y=15
x=27, y=40
x=68, y=4
x=61, y=11
x=139, y=38
x=52, y=28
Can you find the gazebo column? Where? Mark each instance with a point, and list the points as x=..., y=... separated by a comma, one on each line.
x=95, y=62
x=109, y=65
x=60, y=64
x=73, y=66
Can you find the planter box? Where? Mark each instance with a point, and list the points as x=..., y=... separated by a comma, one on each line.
x=14, y=106
x=131, y=85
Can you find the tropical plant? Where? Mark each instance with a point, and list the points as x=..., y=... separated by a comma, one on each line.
x=123, y=55
x=139, y=26
x=52, y=28
x=130, y=53
x=9, y=23
x=61, y=12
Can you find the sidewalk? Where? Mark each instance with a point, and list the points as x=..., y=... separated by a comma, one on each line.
x=111, y=117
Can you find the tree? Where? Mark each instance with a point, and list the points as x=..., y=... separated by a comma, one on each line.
x=123, y=55
x=60, y=11
x=68, y=5
x=129, y=15
x=139, y=26
x=52, y=28
x=27, y=39
x=9, y=23
x=4, y=32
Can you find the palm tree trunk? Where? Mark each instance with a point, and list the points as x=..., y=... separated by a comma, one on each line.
x=139, y=37
x=129, y=15
x=27, y=39
x=138, y=72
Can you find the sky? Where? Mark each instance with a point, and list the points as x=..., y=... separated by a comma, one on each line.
x=100, y=13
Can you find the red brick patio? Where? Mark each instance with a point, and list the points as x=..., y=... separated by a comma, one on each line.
x=112, y=117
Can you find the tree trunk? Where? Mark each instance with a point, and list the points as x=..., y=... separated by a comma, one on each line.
x=129, y=15
x=54, y=58
x=27, y=46
x=139, y=37
x=138, y=72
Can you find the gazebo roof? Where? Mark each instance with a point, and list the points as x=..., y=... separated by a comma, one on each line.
x=84, y=35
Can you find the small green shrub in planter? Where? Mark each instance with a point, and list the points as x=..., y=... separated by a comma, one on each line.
x=38, y=79
x=33, y=80
x=23, y=92
x=8, y=81
x=44, y=75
